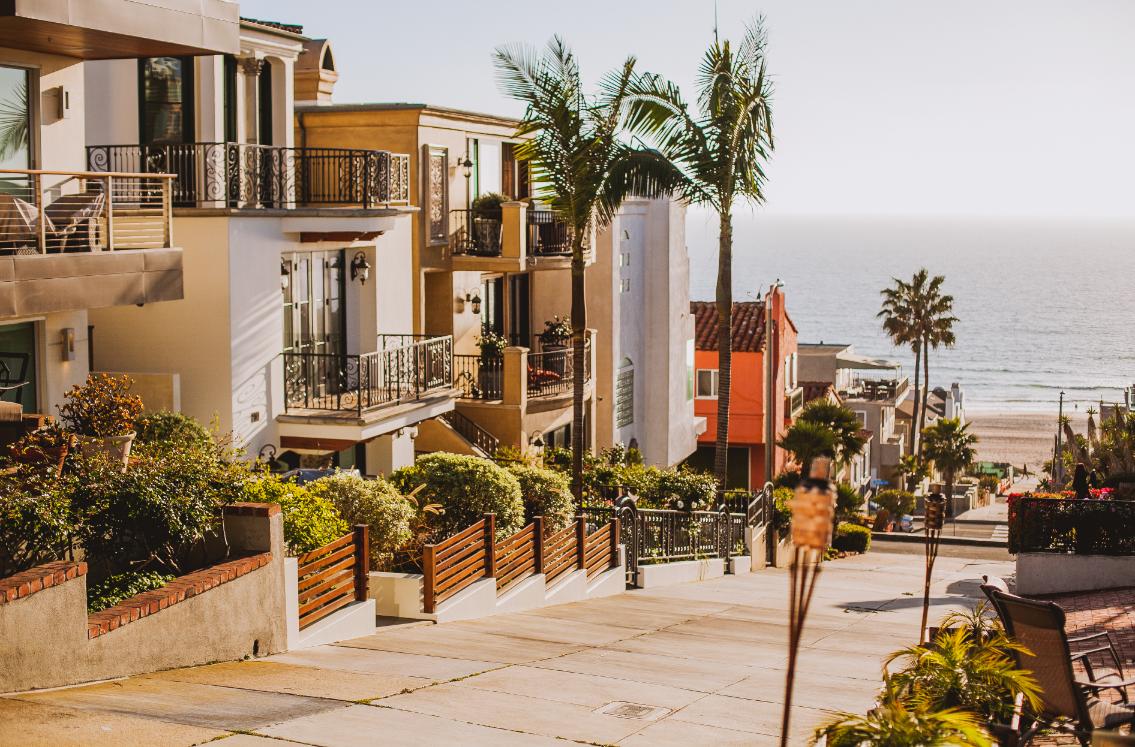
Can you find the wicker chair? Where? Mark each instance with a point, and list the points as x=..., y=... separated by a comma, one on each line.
x=1039, y=627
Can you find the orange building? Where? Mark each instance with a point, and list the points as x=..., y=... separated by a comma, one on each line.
x=747, y=409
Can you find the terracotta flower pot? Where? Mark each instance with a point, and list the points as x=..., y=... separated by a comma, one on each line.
x=114, y=447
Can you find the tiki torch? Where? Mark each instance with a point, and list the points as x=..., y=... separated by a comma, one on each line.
x=935, y=518
x=813, y=508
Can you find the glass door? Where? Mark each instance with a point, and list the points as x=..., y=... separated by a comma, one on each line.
x=18, y=365
x=15, y=131
x=314, y=319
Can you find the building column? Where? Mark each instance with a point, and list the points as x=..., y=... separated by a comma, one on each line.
x=248, y=126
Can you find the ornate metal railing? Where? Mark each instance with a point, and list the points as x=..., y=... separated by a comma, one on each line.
x=551, y=371
x=479, y=377
x=357, y=383
x=547, y=234
x=476, y=232
x=245, y=175
x=49, y=212
x=471, y=432
x=1067, y=525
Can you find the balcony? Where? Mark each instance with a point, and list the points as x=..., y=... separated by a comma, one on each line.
x=75, y=240
x=241, y=175
x=879, y=390
x=409, y=369
x=510, y=238
x=794, y=403
x=548, y=373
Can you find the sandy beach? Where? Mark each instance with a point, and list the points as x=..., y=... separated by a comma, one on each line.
x=1018, y=437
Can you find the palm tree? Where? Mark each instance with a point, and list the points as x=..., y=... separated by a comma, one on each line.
x=937, y=323
x=583, y=169
x=949, y=445
x=806, y=441
x=842, y=422
x=718, y=156
x=900, y=322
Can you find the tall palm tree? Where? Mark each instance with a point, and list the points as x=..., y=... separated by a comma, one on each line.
x=718, y=156
x=937, y=330
x=581, y=167
x=950, y=446
x=900, y=321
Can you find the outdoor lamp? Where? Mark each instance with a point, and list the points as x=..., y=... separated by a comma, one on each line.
x=466, y=167
x=476, y=301
x=813, y=511
x=285, y=275
x=360, y=268
x=933, y=520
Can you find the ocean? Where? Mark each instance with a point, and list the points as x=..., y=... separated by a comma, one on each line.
x=1043, y=304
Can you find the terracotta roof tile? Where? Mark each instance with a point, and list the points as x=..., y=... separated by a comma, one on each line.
x=816, y=389
x=748, y=325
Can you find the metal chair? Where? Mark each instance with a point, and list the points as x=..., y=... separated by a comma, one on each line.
x=1039, y=627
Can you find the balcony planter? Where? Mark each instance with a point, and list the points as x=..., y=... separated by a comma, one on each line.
x=116, y=448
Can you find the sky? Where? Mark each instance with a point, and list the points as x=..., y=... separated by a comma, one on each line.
x=882, y=107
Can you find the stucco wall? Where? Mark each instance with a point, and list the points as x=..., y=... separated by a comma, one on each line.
x=45, y=634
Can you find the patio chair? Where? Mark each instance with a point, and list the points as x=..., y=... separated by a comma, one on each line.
x=71, y=219
x=1039, y=627
x=1110, y=675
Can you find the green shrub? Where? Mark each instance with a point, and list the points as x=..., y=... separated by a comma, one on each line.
x=113, y=590
x=852, y=538
x=310, y=521
x=847, y=501
x=156, y=512
x=782, y=509
x=897, y=502
x=102, y=406
x=171, y=430
x=546, y=493
x=35, y=520
x=375, y=503
x=466, y=488
x=694, y=491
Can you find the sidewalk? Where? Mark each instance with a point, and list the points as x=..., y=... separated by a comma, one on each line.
x=700, y=663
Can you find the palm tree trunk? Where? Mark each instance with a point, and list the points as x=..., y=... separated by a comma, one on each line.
x=724, y=345
x=578, y=335
x=916, y=435
x=926, y=393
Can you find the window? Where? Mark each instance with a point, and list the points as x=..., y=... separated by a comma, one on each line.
x=166, y=99
x=436, y=208
x=18, y=364
x=264, y=103
x=15, y=119
x=707, y=383
x=862, y=417
x=624, y=394
x=230, y=112
x=625, y=285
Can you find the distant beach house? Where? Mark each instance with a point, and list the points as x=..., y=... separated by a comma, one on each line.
x=754, y=337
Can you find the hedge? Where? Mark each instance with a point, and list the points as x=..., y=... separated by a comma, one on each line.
x=466, y=487
x=852, y=538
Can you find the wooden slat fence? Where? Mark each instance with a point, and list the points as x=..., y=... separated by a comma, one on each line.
x=601, y=549
x=562, y=550
x=333, y=576
x=458, y=562
x=520, y=555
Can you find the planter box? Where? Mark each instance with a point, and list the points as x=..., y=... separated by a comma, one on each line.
x=1055, y=573
x=682, y=572
x=783, y=552
x=739, y=564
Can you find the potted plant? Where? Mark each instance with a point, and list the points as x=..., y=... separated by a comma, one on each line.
x=487, y=223
x=556, y=334
x=102, y=414
x=490, y=375
x=48, y=445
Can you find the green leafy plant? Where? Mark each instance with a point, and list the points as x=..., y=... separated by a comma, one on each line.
x=45, y=447
x=848, y=501
x=852, y=538
x=546, y=493
x=895, y=502
x=489, y=204
x=782, y=510
x=310, y=520
x=805, y=441
x=171, y=430
x=375, y=503
x=491, y=344
x=556, y=331
x=110, y=591
x=35, y=520
x=101, y=407
x=950, y=446
x=898, y=723
x=466, y=488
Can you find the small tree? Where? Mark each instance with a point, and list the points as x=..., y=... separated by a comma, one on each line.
x=847, y=430
x=950, y=446
x=805, y=441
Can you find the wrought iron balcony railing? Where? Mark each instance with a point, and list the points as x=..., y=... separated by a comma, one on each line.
x=50, y=212
x=549, y=373
x=360, y=383
x=243, y=175
x=480, y=233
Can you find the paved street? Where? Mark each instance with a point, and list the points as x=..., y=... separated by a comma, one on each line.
x=699, y=663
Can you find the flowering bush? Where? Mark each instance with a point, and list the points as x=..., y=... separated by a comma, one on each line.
x=101, y=407
x=1051, y=522
x=556, y=331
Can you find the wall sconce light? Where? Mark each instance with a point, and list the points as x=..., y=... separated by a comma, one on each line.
x=476, y=301
x=537, y=442
x=466, y=166
x=360, y=268
x=67, y=337
x=285, y=275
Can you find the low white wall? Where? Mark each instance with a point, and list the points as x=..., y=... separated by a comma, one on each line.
x=685, y=571
x=397, y=594
x=756, y=542
x=782, y=557
x=1052, y=573
x=740, y=564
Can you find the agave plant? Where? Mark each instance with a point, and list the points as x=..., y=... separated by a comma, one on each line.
x=898, y=723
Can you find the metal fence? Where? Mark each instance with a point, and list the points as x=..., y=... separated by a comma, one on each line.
x=1081, y=527
x=548, y=236
x=345, y=383
x=248, y=175
x=476, y=232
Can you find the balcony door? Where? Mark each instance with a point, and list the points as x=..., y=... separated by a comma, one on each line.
x=18, y=365
x=165, y=124
x=314, y=315
x=15, y=131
